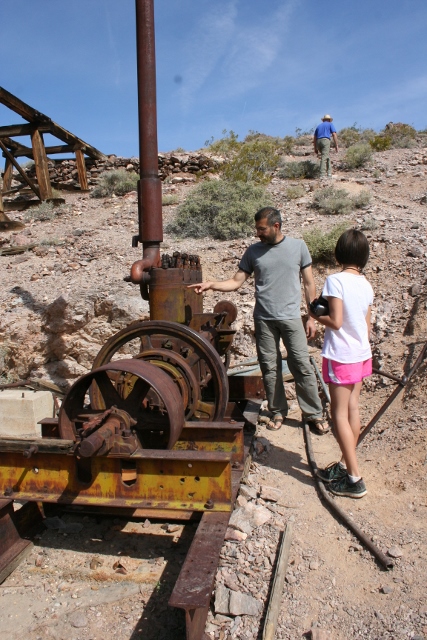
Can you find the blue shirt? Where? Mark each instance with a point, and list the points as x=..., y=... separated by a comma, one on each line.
x=325, y=130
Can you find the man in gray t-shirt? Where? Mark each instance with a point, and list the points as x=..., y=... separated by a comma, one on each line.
x=278, y=264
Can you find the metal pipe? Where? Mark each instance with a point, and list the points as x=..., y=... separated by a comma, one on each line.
x=320, y=378
x=385, y=562
x=149, y=184
x=390, y=376
x=402, y=382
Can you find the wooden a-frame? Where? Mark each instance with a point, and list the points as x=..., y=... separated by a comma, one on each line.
x=38, y=124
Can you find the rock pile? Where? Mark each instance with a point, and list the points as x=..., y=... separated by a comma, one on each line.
x=178, y=167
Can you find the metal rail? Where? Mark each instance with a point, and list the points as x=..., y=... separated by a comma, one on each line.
x=401, y=384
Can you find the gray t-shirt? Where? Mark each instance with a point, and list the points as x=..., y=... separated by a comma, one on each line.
x=277, y=270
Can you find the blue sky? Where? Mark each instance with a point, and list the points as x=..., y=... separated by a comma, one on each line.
x=263, y=65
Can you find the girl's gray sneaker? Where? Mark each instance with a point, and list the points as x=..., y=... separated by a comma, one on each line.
x=331, y=473
x=344, y=487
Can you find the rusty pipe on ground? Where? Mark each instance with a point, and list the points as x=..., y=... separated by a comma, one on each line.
x=149, y=184
x=385, y=562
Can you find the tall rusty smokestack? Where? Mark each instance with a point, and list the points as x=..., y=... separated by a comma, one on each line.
x=149, y=184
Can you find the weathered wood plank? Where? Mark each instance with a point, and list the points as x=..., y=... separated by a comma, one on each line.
x=42, y=169
x=28, y=153
x=36, y=117
x=7, y=176
x=81, y=170
x=18, y=167
x=21, y=130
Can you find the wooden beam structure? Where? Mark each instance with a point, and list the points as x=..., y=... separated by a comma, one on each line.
x=38, y=124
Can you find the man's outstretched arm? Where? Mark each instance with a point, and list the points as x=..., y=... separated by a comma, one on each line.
x=232, y=284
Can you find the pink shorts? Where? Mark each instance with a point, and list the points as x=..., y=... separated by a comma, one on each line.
x=341, y=373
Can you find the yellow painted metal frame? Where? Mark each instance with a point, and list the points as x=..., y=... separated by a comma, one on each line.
x=190, y=480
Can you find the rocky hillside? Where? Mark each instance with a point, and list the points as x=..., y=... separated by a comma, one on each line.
x=65, y=296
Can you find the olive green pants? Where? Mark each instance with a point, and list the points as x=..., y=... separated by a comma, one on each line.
x=268, y=334
x=324, y=146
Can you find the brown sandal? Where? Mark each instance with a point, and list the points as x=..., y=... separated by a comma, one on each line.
x=319, y=426
x=276, y=423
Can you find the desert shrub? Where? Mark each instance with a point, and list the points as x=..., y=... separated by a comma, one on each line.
x=282, y=145
x=169, y=199
x=333, y=201
x=361, y=199
x=292, y=193
x=254, y=162
x=369, y=224
x=287, y=144
x=349, y=136
x=52, y=241
x=304, y=169
x=358, y=155
x=300, y=133
x=46, y=211
x=402, y=135
x=116, y=182
x=5, y=364
x=394, y=136
x=221, y=209
x=322, y=245
x=380, y=142
x=226, y=146
x=338, y=201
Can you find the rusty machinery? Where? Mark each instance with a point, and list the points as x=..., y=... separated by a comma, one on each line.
x=150, y=431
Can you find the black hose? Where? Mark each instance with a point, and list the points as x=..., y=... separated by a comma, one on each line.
x=385, y=562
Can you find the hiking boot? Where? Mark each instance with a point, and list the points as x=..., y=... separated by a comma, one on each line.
x=344, y=487
x=332, y=472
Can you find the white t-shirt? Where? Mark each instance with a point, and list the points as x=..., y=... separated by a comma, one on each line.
x=350, y=343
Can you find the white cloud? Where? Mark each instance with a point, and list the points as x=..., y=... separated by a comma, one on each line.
x=205, y=45
x=255, y=49
x=226, y=57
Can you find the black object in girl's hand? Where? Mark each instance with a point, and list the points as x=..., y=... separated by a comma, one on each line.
x=319, y=306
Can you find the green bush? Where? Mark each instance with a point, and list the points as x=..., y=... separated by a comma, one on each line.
x=116, y=182
x=282, y=145
x=338, y=201
x=349, y=136
x=46, y=211
x=394, y=136
x=6, y=367
x=292, y=193
x=358, y=155
x=333, y=201
x=361, y=199
x=322, y=245
x=254, y=162
x=402, y=135
x=369, y=224
x=169, y=199
x=220, y=209
x=380, y=143
x=304, y=169
x=225, y=146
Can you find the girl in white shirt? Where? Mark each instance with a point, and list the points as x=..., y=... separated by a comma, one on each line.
x=347, y=357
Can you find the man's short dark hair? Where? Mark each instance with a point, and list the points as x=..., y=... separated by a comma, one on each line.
x=270, y=214
x=352, y=248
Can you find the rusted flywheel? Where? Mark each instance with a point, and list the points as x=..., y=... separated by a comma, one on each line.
x=151, y=406
x=183, y=354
